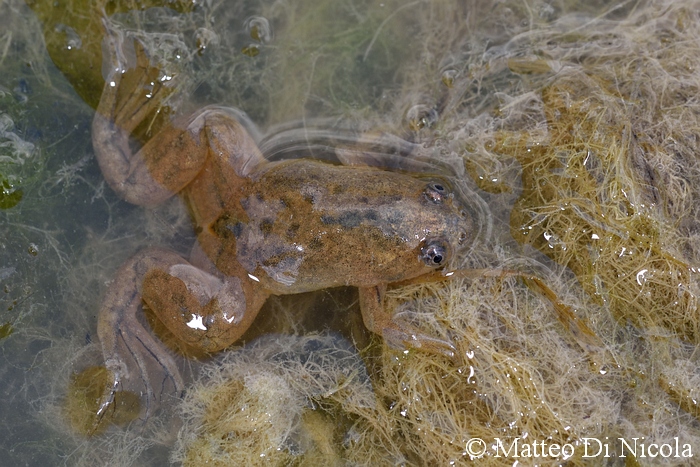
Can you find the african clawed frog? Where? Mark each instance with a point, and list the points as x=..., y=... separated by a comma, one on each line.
x=263, y=228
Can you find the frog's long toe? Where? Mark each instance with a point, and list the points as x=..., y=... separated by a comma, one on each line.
x=140, y=363
x=399, y=334
x=404, y=336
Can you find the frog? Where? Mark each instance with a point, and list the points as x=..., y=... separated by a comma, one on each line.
x=262, y=228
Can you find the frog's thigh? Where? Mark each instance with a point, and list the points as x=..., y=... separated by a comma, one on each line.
x=201, y=309
x=397, y=334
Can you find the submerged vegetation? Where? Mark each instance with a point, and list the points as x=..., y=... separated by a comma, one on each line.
x=570, y=129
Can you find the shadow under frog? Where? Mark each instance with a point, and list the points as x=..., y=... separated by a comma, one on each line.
x=263, y=228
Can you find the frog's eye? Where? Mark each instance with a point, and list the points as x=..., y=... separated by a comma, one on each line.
x=435, y=192
x=434, y=253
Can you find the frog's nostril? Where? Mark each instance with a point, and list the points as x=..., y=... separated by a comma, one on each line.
x=462, y=237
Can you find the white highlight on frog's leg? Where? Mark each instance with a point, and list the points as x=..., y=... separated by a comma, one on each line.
x=197, y=322
x=232, y=300
x=205, y=287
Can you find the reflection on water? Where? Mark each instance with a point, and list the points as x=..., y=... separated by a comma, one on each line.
x=574, y=123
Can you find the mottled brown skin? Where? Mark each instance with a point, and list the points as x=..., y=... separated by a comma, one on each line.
x=330, y=225
x=264, y=228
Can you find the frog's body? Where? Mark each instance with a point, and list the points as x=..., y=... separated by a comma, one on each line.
x=265, y=229
x=304, y=225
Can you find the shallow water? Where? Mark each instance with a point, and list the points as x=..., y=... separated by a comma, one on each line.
x=329, y=74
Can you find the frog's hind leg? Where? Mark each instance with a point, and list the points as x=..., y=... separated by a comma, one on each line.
x=132, y=92
x=139, y=363
x=173, y=157
x=199, y=308
x=204, y=310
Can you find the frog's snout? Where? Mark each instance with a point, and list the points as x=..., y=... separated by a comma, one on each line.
x=464, y=224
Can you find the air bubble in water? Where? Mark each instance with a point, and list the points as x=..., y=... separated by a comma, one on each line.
x=259, y=29
x=448, y=77
x=421, y=116
x=73, y=41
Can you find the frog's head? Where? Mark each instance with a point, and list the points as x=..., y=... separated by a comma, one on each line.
x=423, y=228
x=443, y=225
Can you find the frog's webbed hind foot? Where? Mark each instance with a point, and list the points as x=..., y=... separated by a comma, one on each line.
x=201, y=309
x=139, y=363
x=399, y=334
x=134, y=87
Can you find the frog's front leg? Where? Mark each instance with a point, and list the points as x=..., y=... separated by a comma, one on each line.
x=395, y=333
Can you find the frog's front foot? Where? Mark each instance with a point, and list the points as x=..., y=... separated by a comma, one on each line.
x=398, y=334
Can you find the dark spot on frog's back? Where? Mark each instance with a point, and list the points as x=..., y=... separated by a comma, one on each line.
x=293, y=231
x=393, y=198
x=265, y=227
x=315, y=244
x=272, y=261
x=225, y=226
x=371, y=214
x=236, y=228
x=351, y=219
